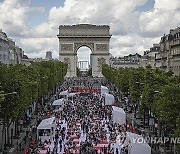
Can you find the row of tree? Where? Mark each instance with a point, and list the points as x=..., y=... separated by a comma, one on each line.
x=21, y=86
x=155, y=92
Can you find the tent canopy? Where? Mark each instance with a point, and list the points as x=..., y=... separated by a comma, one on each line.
x=118, y=109
x=104, y=87
x=109, y=99
x=119, y=116
x=46, y=123
x=138, y=144
x=64, y=93
x=72, y=94
x=104, y=90
x=58, y=102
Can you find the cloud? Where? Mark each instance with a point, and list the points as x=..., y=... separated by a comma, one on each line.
x=163, y=17
x=13, y=16
x=131, y=31
x=33, y=46
x=131, y=44
x=126, y=41
x=118, y=14
x=167, y=5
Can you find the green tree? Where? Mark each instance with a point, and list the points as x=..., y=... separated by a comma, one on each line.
x=168, y=103
x=24, y=86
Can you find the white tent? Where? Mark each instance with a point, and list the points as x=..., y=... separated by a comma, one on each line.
x=119, y=116
x=64, y=93
x=46, y=128
x=72, y=94
x=46, y=123
x=109, y=99
x=137, y=144
x=58, y=102
x=104, y=90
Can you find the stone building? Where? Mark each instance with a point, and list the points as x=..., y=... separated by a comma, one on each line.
x=4, y=48
x=168, y=58
x=49, y=55
x=12, y=51
x=148, y=59
x=130, y=61
x=15, y=53
x=19, y=55
x=9, y=52
x=174, y=59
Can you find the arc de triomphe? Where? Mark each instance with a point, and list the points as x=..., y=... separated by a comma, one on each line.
x=95, y=37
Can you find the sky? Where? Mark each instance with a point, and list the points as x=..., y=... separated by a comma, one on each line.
x=134, y=24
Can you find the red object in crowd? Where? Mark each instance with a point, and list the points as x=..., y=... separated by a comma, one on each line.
x=131, y=128
x=33, y=142
x=26, y=151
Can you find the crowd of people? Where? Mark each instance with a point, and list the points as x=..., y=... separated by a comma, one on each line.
x=85, y=125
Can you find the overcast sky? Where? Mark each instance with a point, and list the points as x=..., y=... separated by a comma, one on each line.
x=135, y=24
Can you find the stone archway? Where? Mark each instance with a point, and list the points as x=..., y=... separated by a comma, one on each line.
x=72, y=37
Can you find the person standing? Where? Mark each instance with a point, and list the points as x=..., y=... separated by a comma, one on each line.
x=60, y=147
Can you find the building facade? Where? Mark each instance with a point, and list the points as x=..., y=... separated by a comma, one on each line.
x=49, y=55
x=168, y=58
x=148, y=59
x=130, y=61
x=174, y=59
x=12, y=52
x=4, y=48
x=9, y=52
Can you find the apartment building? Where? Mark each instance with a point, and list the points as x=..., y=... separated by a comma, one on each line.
x=10, y=53
x=4, y=48
x=130, y=61
x=168, y=58
x=148, y=59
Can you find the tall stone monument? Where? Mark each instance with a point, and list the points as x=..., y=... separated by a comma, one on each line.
x=95, y=37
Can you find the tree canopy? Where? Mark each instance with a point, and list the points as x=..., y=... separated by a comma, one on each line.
x=22, y=85
x=153, y=89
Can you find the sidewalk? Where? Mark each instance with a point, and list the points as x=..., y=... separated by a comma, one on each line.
x=21, y=141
